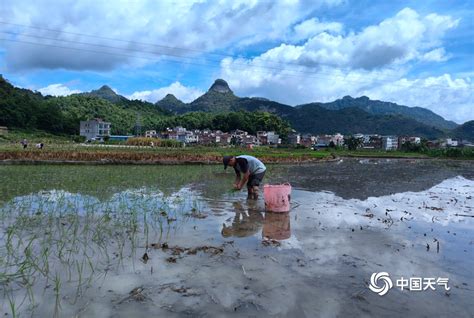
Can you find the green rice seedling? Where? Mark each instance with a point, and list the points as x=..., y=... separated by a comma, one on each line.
x=57, y=288
x=11, y=303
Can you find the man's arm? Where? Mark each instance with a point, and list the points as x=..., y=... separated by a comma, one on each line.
x=237, y=178
x=243, y=168
x=243, y=180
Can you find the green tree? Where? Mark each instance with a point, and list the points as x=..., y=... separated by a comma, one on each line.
x=352, y=142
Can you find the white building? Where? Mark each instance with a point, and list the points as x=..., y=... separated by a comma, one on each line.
x=95, y=129
x=389, y=142
x=338, y=139
x=191, y=138
x=273, y=138
x=451, y=142
x=150, y=133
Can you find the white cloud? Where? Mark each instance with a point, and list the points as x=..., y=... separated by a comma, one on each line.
x=436, y=55
x=452, y=98
x=184, y=93
x=57, y=90
x=395, y=40
x=374, y=62
x=312, y=27
x=192, y=25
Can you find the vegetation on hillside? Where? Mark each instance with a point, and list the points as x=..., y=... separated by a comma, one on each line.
x=248, y=121
x=377, y=107
x=23, y=109
x=219, y=109
x=347, y=116
x=465, y=131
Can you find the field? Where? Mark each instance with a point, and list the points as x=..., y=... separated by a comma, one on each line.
x=173, y=241
x=64, y=149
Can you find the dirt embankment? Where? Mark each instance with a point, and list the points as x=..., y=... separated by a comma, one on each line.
x=104, y=157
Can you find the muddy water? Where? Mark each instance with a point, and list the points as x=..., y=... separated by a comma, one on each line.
x=123, y=241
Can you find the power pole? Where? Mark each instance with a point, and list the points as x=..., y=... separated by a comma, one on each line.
x=138, y=125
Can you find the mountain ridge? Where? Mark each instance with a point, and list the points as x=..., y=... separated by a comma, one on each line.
x=378, y=107
x=302, y=117
x=315, y=118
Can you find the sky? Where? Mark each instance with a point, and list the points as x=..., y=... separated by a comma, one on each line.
x=414, y=53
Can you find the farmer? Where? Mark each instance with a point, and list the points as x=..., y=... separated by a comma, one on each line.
x=24, y=143
x=247, y=169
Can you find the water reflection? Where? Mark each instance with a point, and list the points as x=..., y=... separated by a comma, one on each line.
x=248, y=221
x=360, y=179
x=276, y=226
x=91, y=246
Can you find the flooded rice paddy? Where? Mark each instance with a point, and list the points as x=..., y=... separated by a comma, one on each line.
x=174, y=241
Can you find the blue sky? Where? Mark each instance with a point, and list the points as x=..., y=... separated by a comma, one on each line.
x=416, y=53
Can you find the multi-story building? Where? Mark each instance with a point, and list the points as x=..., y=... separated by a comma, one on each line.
x=452, y=142
x=191, y=137
x=404, y=139
x=95, y=129
x=273, y=138
x=294, y=139
x=389, y=142
x=338, y=139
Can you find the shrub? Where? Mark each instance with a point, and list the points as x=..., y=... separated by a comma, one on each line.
x=156, y=142
x=77, y=138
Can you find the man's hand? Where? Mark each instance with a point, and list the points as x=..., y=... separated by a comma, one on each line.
x=237, y=186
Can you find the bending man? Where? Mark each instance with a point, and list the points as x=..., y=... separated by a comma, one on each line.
x=248, y=170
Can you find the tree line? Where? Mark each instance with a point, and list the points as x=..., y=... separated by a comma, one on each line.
x=24, y=109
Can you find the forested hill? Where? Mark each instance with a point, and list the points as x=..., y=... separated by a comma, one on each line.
x=465, y=131
x=352, y=116
x=219, y=108
x=24, y=109
x=377, y=107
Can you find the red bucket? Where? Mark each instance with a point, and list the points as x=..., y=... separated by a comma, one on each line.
x=277, y=197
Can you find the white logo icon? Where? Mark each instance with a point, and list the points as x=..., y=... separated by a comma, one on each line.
x=384, y=279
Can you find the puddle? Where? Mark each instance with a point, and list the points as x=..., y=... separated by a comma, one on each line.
x=173, y=241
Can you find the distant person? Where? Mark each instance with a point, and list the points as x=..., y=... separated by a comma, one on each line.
x=248, y=169
x=24, y=143
x=40, y=145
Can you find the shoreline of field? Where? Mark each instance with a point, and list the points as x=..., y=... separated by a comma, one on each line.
x=141, y=158
x=72, y=154
x=216, y=161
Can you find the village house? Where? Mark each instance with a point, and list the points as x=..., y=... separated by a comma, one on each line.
x=323, y=141
x=450, y=142
x=268, y=138
x=404, y=139
x=151, y=134
x=372, y=141
x=389, y=143
x=95, y=129
x=308, y=140
x=294, y=138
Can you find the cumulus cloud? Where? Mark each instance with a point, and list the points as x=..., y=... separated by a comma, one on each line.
x=452, y=98
x=194, y=25
x=312, y=27
x=183, y=93
x=436, y=55
x=375, y=62
x=57, y=90
x=399, y=39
